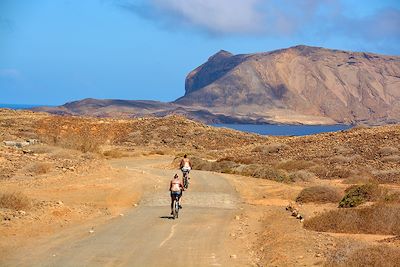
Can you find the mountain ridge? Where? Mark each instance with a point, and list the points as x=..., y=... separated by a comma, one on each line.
x=296, y=85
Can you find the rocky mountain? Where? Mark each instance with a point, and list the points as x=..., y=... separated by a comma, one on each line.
x=301, y=84
x=298, y=82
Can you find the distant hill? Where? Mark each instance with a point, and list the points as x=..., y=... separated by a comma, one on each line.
x=301, y=84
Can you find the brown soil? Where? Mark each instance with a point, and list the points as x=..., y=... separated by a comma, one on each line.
x=70, y=183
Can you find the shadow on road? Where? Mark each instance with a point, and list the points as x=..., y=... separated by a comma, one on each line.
x=167, y=217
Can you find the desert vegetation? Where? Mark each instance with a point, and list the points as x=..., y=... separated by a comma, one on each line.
x=319, y=194
x=361, y=255
x=358, y=194
x=376, y=219
x=14, y=201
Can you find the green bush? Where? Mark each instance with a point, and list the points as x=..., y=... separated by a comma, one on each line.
x=358, y=194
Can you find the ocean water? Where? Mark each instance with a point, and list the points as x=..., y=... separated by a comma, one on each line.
x=286, y=130
x=18, y=106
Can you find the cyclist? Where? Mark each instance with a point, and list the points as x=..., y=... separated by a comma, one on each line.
x=176, y=189
x=185, y=165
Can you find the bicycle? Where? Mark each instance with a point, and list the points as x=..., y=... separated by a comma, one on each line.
x=185, y=179
x=175, y=205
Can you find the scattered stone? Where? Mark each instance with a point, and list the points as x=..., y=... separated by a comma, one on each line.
x=233, y=256
x=122, y=215
x=21, y=212
x=232, y=234
x=60, y=203
x=91, y=231
x=318, y=255
x=135, y=204
x=237, y=217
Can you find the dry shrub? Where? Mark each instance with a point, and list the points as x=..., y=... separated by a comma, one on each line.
x=62, y=153
x=391, y=176
x=356, y=254
x=294, y=165
x=392, y=197
x=114, y=153
x=388, y=151
x=74, y=133
x=359, y=179
x=14, y=201
x=271, y=148
x=157, y=152
x=341, y=150
x=393, y=158
x=39, y=168
x=42, y=149
x=381, y=255
x=319, y=194
x=340, y=159
x=338, y=172
x=376, y=219
x=301, y=176
x=265, y=172
x=358, y=194
x=198, y=163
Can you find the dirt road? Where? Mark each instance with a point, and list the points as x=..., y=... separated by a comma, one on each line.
x=146, y=235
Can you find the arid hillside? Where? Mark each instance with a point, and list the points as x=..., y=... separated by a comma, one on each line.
x=298, y=84
x=341, y=190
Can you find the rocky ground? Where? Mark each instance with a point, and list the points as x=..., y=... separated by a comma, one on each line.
x=55, y=173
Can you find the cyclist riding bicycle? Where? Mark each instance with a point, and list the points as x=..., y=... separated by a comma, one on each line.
x=185, y=164
x=176, y=189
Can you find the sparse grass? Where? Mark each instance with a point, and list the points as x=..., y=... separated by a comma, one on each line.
x=358, y=194
x=271, y=148
x=42, y=149
x=359, y=179
x=265, y=172
x=114, y=153
x=253, y=170
x=392, y=158
x=14, y=201
x=340, y=159
x=294, y=165
x=380, y=255
x=338, y=172
x=319, y=194
x=392, y=197
x=391, y=176
x=376, y=219
x=388, y=151
x=341, y=150
x=157, y=152
x=301, y=176
x=39, y=168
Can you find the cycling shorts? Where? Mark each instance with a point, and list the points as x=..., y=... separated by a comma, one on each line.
x=185, y=169
x=176, y=194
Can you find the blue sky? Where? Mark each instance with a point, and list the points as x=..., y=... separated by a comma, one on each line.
x=55, y=51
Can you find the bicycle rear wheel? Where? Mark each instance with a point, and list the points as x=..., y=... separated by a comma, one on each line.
x=176, y=208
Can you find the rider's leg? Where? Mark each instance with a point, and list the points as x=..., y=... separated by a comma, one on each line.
x=180, y=201
x=172, y=204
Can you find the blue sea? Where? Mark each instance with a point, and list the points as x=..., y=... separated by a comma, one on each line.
x=19, y=106
x=286, y=130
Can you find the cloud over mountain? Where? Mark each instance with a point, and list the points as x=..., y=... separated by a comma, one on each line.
x=269, y=17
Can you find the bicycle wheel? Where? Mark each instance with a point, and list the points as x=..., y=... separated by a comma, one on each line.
x=176, y=209
x=185, y=182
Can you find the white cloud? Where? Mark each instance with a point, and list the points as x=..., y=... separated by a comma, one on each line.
x=217, y=16
x=275, y=18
